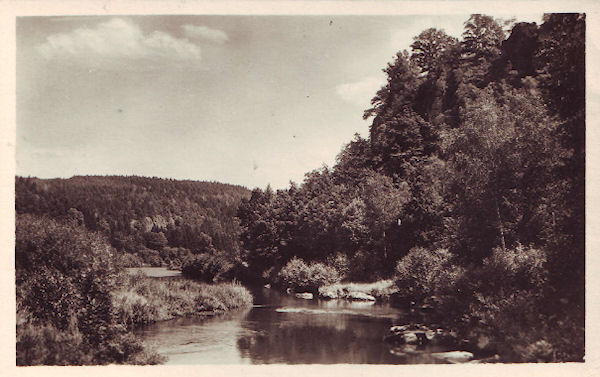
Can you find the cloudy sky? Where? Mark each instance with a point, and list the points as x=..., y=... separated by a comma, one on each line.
x=249, y=100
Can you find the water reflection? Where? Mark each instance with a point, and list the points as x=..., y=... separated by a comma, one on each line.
x=284, y=329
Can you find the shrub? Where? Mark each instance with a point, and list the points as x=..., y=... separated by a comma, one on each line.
x=484, y=302
x=47, y=345
x=131, y=260
x=208, y=268
x=422, y=273
x=65, y=276
x=150, y=257
x=518, y=268
x=340, y=262
x=155, y=240
x=297, y=274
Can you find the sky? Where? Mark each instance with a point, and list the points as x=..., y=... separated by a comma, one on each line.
x=248, y=100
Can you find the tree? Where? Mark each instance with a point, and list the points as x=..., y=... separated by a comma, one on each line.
x=480, y=48
x=433, y=49
x=482, y=38
x=400, y=140
x=384, y=203
x=402, y=82
x=561, y=61
x=501, y=162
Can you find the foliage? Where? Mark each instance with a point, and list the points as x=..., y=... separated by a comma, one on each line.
x=208, y=268
x=298, y=275
x=64, y=278
x=140, y=214
x=471, y=183
x=423, y=273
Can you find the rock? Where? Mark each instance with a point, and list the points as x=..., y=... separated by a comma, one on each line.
x=329, y=294
x=430, y=334
x=454, y=357
x=410, y=338
x=305, y=295
x=488, y=360
x=360, y=296
x=421, y=335
x=405, y=350
x=268, y=286
x=426, y=308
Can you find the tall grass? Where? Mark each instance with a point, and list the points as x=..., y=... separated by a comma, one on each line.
x=144, y=300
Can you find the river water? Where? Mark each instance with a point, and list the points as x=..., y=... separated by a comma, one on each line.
x=283, y=329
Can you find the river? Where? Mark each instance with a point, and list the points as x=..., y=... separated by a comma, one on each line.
x=283, y=329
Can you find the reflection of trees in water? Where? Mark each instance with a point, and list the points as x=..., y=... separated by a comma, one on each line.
x=318, y=338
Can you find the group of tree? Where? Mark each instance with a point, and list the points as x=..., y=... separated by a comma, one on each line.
x=150, y=221
x=476, y=147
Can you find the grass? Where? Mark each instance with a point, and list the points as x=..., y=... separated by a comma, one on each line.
x=144, y=300
x=381, y=289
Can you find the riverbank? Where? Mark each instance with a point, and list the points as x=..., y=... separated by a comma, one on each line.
x=380, y=290
x=143, y=300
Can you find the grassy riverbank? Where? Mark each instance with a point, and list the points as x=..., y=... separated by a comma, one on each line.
x=143, y=300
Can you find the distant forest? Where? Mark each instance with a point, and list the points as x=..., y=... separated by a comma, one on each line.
x=150, y=221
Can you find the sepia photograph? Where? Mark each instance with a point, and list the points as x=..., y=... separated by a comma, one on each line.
x=250, y=189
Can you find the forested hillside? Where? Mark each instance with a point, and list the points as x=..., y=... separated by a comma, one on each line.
x=469, y=188
x=151, y=221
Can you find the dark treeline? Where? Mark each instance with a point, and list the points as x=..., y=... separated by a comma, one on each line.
x=149, y=221
x=469, y=188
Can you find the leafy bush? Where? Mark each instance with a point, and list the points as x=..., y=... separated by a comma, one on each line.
x=209, y=268
x=422, y=273
x=340, y=262
x=64, y=277
x=297, y=274
x=483, y=302
x=131, y=260
x=518, y=268
x=150, y=257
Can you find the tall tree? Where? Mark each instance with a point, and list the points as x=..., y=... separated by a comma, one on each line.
x=502, y=161
x=433, y=49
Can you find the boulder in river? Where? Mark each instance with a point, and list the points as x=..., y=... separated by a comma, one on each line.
x=419, y=334
x=454, y=357
x=305, y=295
x=360, y=296
x=328, y=294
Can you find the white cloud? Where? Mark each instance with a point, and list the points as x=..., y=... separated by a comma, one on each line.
x=205, y=33
x=360, y=92
x=117, y=40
